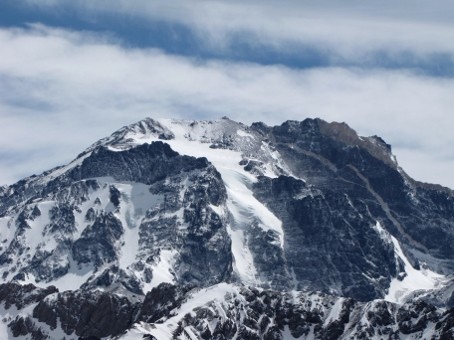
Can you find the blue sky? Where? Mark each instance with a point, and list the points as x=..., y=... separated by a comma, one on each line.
x=72, y=72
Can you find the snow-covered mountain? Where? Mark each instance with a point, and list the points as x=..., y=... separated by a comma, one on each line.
x=218, y=230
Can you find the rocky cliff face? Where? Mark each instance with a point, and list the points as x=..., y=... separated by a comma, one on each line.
x=214, y=229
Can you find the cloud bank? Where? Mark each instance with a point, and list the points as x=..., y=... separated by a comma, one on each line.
x=87, y=68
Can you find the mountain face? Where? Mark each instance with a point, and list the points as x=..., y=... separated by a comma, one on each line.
x=218, y=230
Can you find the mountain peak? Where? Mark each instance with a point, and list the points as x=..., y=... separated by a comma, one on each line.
x=189, y=208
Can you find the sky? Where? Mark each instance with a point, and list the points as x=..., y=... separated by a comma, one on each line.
x=72, y=72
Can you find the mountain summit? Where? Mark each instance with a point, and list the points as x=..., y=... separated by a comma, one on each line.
x=218, y=230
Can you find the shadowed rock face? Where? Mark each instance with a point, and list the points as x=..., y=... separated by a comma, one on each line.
x=94, y=314
x=327, y=218
x=126, y=216
x=349, y=184
x=146, y=163
x=328, y=242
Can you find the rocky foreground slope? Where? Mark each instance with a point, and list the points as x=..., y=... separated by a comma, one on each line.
x=217, y=230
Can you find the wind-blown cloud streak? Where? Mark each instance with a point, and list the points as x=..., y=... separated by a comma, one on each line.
x=61, y=90
x=404, y=34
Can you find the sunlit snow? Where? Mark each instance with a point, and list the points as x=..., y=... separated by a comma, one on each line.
x=162, y=270
x=415, y=280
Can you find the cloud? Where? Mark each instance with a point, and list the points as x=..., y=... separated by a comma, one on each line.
x=62, y=90
x=347, y=30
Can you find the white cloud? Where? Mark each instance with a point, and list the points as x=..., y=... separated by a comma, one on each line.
x=347, y=29
x=60, y=91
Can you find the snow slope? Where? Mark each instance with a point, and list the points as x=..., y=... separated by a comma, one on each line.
x=244, y=209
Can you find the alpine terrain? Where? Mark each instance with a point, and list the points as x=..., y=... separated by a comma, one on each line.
x=172, y=229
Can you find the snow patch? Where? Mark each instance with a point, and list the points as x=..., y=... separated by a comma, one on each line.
x=415, y=280
x=136, y=199
x=334, y=312
x=243, y=133
x=287, y=335
x=74, y=279
x=6, y=232
x=162, y=271
x=34, y=235
x=244, y=262
x=274, y=168
x=6, y=317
